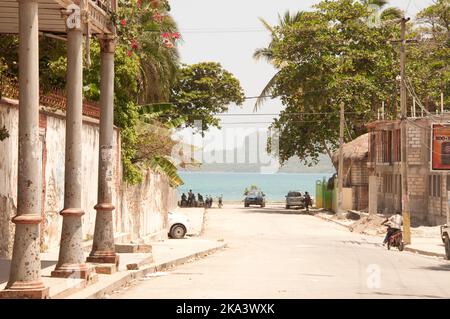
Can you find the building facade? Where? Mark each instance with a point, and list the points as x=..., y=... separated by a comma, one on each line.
x=427, y=189
x=356, y=176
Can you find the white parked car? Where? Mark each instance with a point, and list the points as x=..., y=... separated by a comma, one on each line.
x=178, y=225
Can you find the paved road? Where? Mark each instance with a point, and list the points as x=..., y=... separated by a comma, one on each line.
x=275, y=253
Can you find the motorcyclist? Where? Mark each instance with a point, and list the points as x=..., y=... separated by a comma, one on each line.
x=200, y=199
x=395, y=222
x=183, y=199
x=191, y=198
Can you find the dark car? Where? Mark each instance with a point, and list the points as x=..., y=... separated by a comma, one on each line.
x=255, y=198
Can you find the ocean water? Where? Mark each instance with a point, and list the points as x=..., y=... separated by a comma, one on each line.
x=232, y=185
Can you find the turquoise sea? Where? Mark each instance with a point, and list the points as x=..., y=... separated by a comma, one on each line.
x=232, y=185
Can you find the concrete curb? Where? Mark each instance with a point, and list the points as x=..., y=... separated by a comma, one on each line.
x=409, y=249
x=424, y=252
x=131, y=275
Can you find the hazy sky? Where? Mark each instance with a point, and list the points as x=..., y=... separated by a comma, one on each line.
x=229, y=32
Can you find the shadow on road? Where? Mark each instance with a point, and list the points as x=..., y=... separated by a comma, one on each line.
x=276, y=210
x=441, y=267
x=401, y=296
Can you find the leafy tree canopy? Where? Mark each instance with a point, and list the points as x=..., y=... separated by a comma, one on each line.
x=203, y=90
x=330, y=55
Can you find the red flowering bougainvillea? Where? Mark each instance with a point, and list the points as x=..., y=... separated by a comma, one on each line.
x=135, y=19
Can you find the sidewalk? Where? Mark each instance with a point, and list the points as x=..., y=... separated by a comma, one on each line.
x=166, y=254
x=420, y=245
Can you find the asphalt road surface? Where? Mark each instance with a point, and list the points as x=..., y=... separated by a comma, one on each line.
x=275, y=253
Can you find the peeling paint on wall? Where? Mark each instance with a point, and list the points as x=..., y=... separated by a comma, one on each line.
x=141, y=210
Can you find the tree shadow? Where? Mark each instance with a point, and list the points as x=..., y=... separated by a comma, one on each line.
x=276, y=211
x=401, y=296
x=441, y=267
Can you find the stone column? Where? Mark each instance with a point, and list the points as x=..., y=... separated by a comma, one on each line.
x=71, y=261
x=25, y=273
x=103, y=248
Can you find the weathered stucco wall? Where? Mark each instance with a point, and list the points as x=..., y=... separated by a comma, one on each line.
x=53, y=169
x=141, y=210
x=8, y=180
x=144, y=206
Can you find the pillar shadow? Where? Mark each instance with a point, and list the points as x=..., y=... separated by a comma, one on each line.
x=275, y=210
x=5, y=265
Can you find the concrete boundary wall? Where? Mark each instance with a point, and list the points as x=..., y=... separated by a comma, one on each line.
x=141, y=210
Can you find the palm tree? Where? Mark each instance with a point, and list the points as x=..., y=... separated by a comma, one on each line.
x=159, y=65
x=284, y=21
x=387, y=13
x=379, y=3
x=289, y=19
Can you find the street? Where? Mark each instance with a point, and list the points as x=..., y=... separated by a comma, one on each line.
x=278, y=253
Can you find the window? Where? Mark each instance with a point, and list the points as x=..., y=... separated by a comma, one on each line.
x=397, y=184
x=397, y=154
x=434, y=185
x=388, y=183
x=389, y=147
x=386, y=145
x=372, y=147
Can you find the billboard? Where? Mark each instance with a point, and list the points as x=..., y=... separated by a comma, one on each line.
x=440, y=147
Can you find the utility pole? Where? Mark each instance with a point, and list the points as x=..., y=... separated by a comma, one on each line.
x=404, y=164
x=341, y=160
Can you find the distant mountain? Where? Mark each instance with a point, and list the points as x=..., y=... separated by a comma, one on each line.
x=292, y=166
x=246, y=159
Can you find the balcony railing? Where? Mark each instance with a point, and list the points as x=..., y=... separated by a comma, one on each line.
x=99, y=12
x=106, y=5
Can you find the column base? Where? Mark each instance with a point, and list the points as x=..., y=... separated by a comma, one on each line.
x=26, y=290
x=75, y=271
x=106, y=269
x=108, y=259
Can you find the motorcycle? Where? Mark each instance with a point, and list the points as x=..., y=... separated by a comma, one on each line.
x=395, y=240
x=183, y=203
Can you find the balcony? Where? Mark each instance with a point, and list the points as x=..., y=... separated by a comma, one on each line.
x=52, y=15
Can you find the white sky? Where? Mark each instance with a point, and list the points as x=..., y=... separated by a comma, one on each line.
x=229, y=32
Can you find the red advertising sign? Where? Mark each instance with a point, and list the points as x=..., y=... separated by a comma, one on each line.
x=440, y=147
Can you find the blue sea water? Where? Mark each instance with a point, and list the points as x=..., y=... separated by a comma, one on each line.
x=232, y=185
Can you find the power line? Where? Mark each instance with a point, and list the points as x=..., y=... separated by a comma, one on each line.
x=294, y=113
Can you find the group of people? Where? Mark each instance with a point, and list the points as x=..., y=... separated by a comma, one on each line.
x=191, y=201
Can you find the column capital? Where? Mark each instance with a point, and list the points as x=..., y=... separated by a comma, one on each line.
x=107, y=43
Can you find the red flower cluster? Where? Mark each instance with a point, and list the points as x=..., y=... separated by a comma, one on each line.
x=168, y=35
x=151, y=7
x=158, y=17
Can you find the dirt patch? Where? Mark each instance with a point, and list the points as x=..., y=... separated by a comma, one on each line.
x=370, y=225
x=426, y=231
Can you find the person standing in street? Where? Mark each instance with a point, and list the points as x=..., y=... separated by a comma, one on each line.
x=307, y=201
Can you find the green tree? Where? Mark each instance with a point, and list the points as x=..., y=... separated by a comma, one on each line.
x=428, y=68
x=268, y=55
x=203, y=90
x=331, y=55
